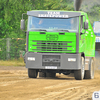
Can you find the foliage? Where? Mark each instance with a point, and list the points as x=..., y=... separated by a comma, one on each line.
x=16, y=48
x=92, y=7
x=94, y=14
x=11, y=11
x=2, y=49
x=3, y=24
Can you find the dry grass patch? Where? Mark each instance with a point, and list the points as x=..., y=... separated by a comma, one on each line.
x=19, y=62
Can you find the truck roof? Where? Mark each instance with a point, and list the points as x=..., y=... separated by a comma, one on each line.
x=55, y=13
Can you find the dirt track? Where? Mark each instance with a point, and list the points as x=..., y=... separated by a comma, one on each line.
x=15, y=85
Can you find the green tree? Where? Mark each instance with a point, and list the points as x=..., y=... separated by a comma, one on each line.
x=3, y=23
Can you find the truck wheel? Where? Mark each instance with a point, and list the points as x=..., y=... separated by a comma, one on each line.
x=49, y=74
x=32, y=73
x=42, y=74
x=79, y=74
x=89, y=74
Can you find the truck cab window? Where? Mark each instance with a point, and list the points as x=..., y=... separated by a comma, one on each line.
x=81, y=23
x=51, y=24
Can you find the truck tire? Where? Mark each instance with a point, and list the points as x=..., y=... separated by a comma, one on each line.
x=49, y=74
x=89, y=74
x=32, y=73
x=42, y=74
x=79, y=74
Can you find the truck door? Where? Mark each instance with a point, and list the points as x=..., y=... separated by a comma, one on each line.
x=82, y=35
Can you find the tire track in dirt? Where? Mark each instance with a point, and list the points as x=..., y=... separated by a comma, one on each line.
x=75, y=82
x=65, y=92
x=81, y=93
x=60, y=88
x=78, y=95
x=63, y=84
x=73, y=94
x=54, y=94
x=89, y=93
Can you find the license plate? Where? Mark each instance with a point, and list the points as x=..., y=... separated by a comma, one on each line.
x=50, y=67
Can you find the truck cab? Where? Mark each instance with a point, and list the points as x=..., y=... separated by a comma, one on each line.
x=59, y=42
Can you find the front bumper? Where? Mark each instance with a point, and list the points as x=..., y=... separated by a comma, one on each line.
x=53, y=61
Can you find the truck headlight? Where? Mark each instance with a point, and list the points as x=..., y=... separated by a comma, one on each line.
x=71, y=59
x=31, y=58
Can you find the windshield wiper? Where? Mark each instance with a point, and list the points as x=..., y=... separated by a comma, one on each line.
x=39, y=30
x=61, y=30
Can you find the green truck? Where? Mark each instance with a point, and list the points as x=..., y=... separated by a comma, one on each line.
x=59, y=42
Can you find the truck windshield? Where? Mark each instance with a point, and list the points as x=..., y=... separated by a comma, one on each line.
x=97, y=28
x=53, y=24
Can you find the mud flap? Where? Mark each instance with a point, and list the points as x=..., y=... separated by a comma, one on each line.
x=87, y=60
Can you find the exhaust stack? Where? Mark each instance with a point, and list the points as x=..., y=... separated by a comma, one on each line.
x=77, y=4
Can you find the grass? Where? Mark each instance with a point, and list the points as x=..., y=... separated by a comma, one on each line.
x=19, y=62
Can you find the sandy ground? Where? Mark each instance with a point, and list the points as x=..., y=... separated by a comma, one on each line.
x=15, y=85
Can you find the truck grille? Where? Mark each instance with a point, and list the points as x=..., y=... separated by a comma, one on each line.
x=52, y=45
x=51, y=60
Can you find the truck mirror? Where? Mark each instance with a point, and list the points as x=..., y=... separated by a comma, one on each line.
x=85, y=25
x=22, y=24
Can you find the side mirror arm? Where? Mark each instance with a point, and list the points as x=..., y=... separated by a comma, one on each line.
x=22, y=25
x=81, y=33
